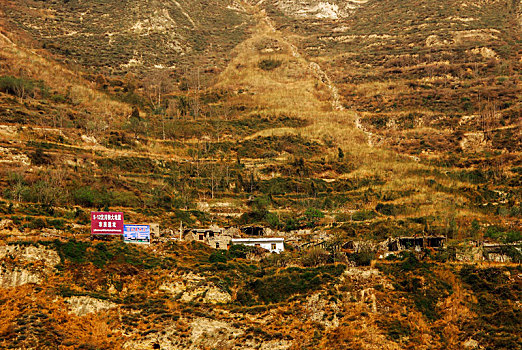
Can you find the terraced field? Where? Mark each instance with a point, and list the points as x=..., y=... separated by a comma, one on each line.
x=349, y=121
x=318, y=108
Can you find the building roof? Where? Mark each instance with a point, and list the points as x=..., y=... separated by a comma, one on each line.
x=260, y=240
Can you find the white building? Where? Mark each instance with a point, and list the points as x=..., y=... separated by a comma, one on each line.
x=273, y=244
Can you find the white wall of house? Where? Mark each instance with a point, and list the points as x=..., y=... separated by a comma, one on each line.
x=274, y=245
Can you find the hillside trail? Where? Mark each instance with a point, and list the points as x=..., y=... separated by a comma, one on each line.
x=318, y=72
x=266, y=24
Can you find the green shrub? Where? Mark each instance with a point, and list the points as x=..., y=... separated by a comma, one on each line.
x=73, y=251
x=219, y=256
x=236, y=251
x=314, y=257
x=239, y=251
x=363, y=215
x=362, y=258
x=16, y=86
x=90, y=197
x=288, y=282
x=503, y=234
x=387, y=209
x=37, y=223
x=101, y=255
x=312, y=215
x=269, y=64
x=397, y=329
x=58, y=224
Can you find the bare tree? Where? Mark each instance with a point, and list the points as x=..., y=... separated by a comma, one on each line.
x=156, y=85
x=197, y=87
x=487, y=119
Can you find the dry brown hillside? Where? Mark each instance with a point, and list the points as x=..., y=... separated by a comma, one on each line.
x=339, y=122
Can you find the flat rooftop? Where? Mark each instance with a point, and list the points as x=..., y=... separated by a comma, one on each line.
x=264, y=239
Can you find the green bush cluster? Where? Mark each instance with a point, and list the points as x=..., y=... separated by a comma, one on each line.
x=283, y=284
x=387, y=209
x=397, y=329
x=269, y=64
x=496, y=293
x=362, y=258
x=102, y=253
x=236, y=251
x=363, y=215
x=416, y=279
x=16, y=86
x=503, y=234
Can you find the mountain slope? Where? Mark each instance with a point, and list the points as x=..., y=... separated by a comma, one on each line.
x=116, y=36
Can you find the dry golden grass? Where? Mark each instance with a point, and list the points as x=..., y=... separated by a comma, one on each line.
x=292, y=89
x=292, y=86
x=62, y=80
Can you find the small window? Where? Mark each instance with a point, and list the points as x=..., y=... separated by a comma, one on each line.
x=201, y=237
x=217, y=244
x=274, y=246
x=211, y=234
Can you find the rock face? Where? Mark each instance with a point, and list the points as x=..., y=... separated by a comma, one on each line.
x=8, y=156
x=204, y=333
x=319, y=9
x=15, y=277
x=7, y=226
x=27, y=269
x=31, y=254
x=316, y=310
x=472, y=344
x=212, y=333
x=194, y=288
x=83, y=305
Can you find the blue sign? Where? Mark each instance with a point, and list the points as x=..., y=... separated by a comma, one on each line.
x=136, y=234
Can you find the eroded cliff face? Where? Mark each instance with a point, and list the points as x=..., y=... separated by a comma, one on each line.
x=319, y=9
x=84, y=305
x=16, y=276
x=30, y=254
x=25, y=264
x=191, y=287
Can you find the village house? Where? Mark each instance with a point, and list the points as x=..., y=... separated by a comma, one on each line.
x=415, y=243
x=215, y=237
x=272, y=244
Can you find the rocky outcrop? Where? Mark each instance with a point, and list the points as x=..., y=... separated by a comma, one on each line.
x=83, y=305
x=318, y=307
x=8, y=227
x=15, y=277
x=204, y=333
x=319, y=9
x=31, y=254
x=33, y=263
x=192, y=287
x=213, y=333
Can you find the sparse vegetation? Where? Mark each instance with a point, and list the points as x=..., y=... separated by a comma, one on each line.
x=354, y=128
x=269, y=64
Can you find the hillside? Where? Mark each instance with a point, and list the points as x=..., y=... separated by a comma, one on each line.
x=135, y=35
x=78, y=295
x=332, y=122
x=295, y=129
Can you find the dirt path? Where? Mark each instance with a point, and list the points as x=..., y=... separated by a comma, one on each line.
x=317, y=71
x=372, y=138
x=267, y=26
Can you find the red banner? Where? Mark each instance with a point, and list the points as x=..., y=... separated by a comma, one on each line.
x=106, y=223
